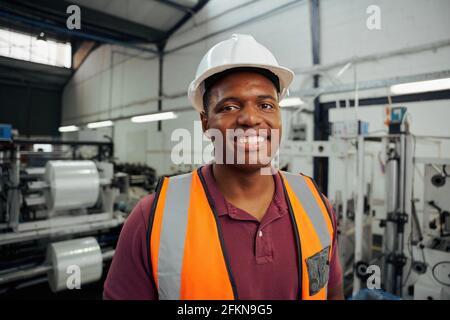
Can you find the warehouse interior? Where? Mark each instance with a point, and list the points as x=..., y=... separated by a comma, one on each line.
x=101, y=86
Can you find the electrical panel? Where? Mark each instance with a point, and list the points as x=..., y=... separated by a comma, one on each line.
x=349, y=128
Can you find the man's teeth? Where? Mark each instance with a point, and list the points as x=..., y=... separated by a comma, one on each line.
x=251, y=139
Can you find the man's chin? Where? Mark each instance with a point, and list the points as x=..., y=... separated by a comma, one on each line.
x=251, y=167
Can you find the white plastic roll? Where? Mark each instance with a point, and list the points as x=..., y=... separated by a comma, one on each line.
x=73, y=184
x=75, y=263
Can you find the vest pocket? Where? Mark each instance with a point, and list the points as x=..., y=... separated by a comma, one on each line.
x=318, y=270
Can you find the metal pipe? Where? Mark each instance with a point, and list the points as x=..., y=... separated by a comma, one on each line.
x=108, y=255
x=392, y=205
x=160, y=81
x=13, y=214
x=237, y=25
x=371, y=84
x=223, y=13
x=374, y=57
x=24, y=274
x=359, y=212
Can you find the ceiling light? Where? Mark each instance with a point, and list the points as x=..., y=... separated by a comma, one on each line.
x=42, y=36
x=68, y=129
x=421, y=86
x=100, y=124
x=154, y=117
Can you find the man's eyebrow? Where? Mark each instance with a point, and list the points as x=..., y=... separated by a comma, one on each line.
x=236, y=99
x=266, y=97
x=227, y=99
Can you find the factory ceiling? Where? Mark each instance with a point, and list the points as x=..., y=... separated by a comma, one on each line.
x=140, y=24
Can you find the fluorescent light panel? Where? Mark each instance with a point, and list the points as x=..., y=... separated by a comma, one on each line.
x=100, y=124
x=68, y=129
x=291, y=102
x=154, y=117
x=421, y=86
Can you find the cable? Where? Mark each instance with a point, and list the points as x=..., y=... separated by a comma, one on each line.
x=434, y=276
x=445, y=171
x=409, y=243
x=411, y=258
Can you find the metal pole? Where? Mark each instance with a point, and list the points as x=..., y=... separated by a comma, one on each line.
x=359, y=212
x=14, y=195
x=24, y=274
x=392, y=201
x=160, y=80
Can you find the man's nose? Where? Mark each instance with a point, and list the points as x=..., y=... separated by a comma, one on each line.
x=249, y=116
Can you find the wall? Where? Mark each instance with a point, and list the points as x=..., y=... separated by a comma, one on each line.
x=31, y=111
x=404, y=24
x=111, y=85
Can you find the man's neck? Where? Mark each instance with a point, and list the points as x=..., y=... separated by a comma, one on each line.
x=235, y=183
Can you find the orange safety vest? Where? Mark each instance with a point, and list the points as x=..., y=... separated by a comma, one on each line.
x=188, y=259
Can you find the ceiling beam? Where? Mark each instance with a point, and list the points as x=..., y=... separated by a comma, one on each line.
x=93, y=21
x=175, y=5
x=81, y=52
x=187, y=16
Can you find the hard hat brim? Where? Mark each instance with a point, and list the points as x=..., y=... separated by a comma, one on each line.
x=195, y=94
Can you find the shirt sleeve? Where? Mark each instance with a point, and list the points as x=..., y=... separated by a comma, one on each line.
x=336, y=275
x=129, y=276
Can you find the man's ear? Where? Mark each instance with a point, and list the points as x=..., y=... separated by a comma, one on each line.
x=204, y=120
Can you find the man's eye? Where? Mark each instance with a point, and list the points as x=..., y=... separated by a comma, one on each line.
x=267, y=106
x=229, y=108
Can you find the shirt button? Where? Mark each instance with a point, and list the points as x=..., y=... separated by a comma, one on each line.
x=260, y=233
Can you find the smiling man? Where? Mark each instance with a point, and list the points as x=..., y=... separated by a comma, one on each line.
x=236, y=228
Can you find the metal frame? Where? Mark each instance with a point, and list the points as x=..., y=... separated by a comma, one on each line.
x=61, y=226
x=102, y=146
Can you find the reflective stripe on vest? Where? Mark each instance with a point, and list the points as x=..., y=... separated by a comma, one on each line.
x=314, y=227
x=188, y=257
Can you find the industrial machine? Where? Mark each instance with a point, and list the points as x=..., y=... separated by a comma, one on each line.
x=429, y=245
x=402, y=232
x=415, y=251
x=135, y=181
x=58, y=211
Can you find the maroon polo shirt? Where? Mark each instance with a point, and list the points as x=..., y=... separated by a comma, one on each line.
x=262, y=254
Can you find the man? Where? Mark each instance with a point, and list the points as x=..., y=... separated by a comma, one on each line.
x=228, y=230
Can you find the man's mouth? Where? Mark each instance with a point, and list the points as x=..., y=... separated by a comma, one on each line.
x=251, y=142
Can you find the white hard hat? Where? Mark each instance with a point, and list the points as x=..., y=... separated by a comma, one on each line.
x=240, y=50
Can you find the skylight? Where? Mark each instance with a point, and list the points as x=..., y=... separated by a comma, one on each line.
x=35, y=48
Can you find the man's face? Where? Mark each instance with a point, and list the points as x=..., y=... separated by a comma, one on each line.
x=244, y=104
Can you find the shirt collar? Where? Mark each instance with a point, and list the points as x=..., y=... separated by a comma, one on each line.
x=223, y=207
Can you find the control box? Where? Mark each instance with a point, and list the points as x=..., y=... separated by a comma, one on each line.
x=349, y=128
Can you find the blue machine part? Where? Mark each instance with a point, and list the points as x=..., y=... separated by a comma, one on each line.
x=397, y=114
x=374, y=294
x=5, y=132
